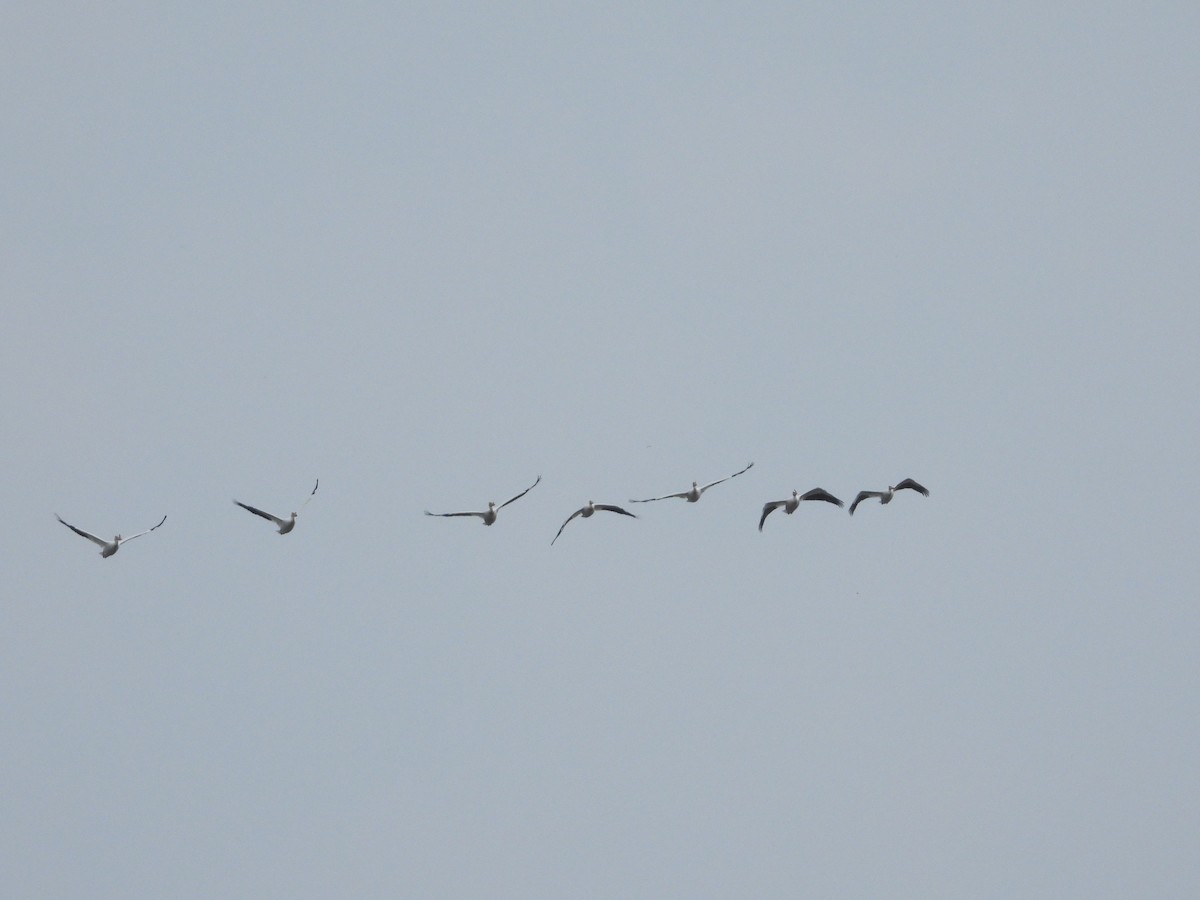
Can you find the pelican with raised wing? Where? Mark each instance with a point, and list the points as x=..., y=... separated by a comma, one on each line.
x=792, y=503
x=107, y=548
x=588, y=511
x=285, y=525
x=489, y=515
x=885, y=497
x=695, y=492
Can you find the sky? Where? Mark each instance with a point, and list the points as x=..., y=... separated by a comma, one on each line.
x=427, y=253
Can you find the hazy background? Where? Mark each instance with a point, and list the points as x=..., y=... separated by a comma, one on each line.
x=427, y=253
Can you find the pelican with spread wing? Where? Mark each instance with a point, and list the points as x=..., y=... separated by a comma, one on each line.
x=285, y=525
x=107, y=548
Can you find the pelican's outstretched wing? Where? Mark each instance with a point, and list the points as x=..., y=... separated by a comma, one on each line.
x=909, y=484
x=663, y=497
x=864, y=495
x=140, y=533
x=564, y=524
x=259, y=512
x=821, y=494
x=726, y=478
x=616, y=509
x=769, y=508
x=520, y=495
x=313, y=494
x=82, y=533
x=481, y=515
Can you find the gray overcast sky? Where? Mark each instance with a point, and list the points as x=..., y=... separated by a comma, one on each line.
x=429, y=253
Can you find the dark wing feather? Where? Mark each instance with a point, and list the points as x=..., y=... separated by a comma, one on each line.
x=663, y=497
x=140, y=533
x=257, y=512
x=616, y=509
x=909, y=484
x=564, y=524
x=863, y=495
x=428, y=513
x=726, y=478
x=82, y=533
x=769, y=508
x=520, y=495
x=821, y=494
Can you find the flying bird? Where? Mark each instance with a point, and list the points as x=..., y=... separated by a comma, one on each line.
x=791, y=503
x=489, y=515
x=885, y=497
x=285, y=525
x=587, y=512
x=692, y=495
x=107, y=548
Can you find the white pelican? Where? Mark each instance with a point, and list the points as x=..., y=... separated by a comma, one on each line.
x=886, y=496
x=107, y=548
x=489, y=514
x=691, y=496
x=285, y=525
x=587, y=512
x=791, y=503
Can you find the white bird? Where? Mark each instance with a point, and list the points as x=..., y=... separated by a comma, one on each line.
x=692, y=495
x=285, y=525
x=885, y=497
x=489, y=515
x=791, y=503
x=587, y=512
x=107, y=548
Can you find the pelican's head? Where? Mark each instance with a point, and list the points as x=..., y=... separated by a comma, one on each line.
x=116, y=539
x=491, y=504
x=295, y=514
x=695, y=484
